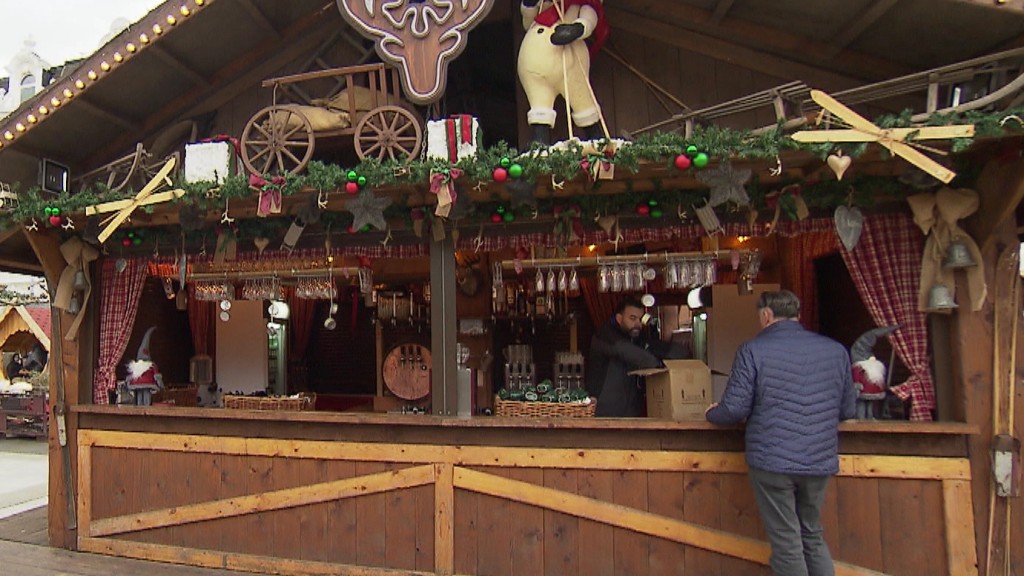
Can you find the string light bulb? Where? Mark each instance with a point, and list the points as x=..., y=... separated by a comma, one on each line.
x=32, y=119
x=185, y=11
x=105, y=66
x=54, y=101
x=200, y=2
x=68, y=93
x=157, y=29
x=79, y=84
x=118, y=57
x=44, y=110
x=91, y=74
x=8, y=135
x=19, y=127
x=143, y=38
x=130, y=47
x=171, y=19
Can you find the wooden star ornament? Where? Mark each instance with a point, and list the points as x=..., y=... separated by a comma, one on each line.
x=726, y=184
x=368, y=209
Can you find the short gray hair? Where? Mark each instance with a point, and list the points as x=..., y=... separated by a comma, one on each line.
x=783, y=304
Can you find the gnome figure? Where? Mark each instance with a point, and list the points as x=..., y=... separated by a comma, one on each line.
x=869, y=372
x=144, y=377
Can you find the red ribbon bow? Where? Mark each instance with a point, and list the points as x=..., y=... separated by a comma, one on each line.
x=270, y=194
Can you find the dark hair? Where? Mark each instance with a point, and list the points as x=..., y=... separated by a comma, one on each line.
x=783, y=304
x=629, y=302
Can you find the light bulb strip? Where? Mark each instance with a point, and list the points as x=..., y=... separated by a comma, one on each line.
x=60, y=94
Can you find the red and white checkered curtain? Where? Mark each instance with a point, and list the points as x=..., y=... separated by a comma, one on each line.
x=120, y=301
x=886, y=268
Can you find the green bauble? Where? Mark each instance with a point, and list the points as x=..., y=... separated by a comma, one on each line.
x=352, y=176
x=691, y=150
x=505, y=162
x=48, y=211
x=700, y=160
x=361, y=181
x=509, y=217
x=656, y=213
x=515, y=170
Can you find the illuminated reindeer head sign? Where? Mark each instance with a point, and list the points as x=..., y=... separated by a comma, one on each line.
x=418, y=36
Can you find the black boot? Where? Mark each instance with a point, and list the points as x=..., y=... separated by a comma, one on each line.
x=593, y=132
x=541, y=134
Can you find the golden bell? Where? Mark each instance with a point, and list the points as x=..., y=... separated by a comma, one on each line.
x=939, y=298
x=958, y=256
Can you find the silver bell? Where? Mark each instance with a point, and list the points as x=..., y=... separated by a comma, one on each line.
x=939, y=299
x=958, y=256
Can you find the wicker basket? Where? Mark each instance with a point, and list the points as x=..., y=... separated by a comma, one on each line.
x=288, y=403
x=178, y=396
x=543, y=409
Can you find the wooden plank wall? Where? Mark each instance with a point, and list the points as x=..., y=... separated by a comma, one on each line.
x=425, y=509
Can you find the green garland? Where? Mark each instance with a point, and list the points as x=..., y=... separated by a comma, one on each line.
x=562, y=163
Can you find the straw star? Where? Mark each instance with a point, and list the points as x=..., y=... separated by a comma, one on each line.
x=368, y=209
x=726, y=184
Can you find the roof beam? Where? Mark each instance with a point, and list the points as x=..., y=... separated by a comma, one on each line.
x=260, y=18
x=1009, y=6
x=728, y=51
x=96, y=110
x=737, y=31
x=721, y=9
x=233, y=78
x=176, y=63
x=850, y=31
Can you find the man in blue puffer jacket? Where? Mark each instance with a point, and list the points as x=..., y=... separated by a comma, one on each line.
x=792, y=387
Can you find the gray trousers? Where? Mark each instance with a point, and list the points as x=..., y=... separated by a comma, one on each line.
x=790, y=508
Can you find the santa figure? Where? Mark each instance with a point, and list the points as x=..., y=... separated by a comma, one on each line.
x=144, y=377
x=869, y=372
x=554, y=60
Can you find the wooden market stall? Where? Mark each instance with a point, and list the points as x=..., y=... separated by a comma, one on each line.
x=335, y=332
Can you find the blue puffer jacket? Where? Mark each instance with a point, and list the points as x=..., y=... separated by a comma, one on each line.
x=792, y=386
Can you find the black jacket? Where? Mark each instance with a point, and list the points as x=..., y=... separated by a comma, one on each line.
x=612, y=356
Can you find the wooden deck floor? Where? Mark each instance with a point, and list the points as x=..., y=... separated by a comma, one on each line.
x=24, y=552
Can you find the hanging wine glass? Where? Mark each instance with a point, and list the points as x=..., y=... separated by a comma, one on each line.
x=574, y=282
x=552, y=281
x=563, y=281
x=671, y=275
x=618, y=278
x=538, y=285
x=710, y=271
x=604, y=280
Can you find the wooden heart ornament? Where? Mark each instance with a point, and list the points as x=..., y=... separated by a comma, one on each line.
x=838, y=163
x=261, y=244
x=849, y=224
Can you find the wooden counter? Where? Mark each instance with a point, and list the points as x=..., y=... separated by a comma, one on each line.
x=315, y=492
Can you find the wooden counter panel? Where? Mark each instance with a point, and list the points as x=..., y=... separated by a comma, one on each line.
x=877, y=437
x=311, y=506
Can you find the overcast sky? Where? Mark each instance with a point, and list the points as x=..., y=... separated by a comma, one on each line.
x=63, y=29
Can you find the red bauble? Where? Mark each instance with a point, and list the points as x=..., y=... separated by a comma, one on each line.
x=496, y=218
x=682, y=162
x=643, y=209
x=351, y=187
x=126, y=241
x=55, y=220
x=500, y=175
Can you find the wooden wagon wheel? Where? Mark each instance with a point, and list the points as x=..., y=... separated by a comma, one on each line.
x=388, y=133
x=276, y=140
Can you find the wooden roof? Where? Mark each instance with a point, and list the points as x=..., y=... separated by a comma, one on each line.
x=169, y=66
x=221, y=49
x=33, y=321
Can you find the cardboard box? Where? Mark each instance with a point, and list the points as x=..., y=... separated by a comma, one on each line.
x=679, y=391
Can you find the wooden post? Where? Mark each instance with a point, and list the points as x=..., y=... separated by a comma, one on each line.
x=65, y=392
x=972, y=334
x=443, y=387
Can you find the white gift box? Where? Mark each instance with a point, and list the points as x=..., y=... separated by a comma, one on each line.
x=447, y=136
x=208, y=161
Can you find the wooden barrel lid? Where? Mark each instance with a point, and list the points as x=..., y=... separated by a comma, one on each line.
x=407, y=370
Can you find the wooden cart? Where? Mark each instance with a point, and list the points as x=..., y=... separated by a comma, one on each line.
x=280, y=138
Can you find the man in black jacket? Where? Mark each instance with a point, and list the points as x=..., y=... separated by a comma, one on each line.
x=615, y=350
